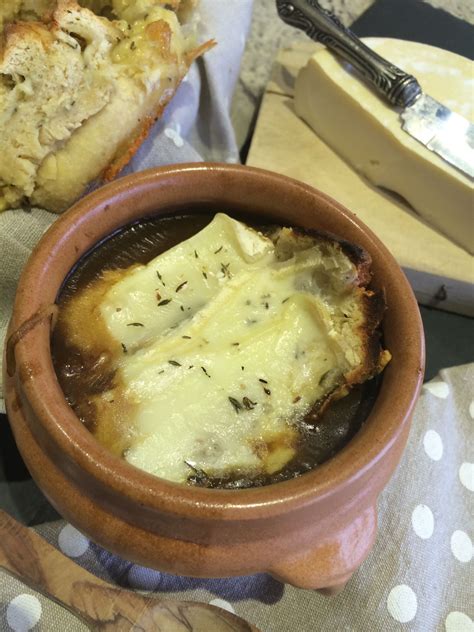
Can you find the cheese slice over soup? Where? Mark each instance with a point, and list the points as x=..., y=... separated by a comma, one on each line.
x=223, y=344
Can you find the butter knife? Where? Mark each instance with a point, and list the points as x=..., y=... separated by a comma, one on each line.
x=444, y=132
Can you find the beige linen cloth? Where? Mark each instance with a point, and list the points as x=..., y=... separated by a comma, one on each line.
x=418, y=576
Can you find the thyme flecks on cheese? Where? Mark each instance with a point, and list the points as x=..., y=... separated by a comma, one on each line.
x=246, y=340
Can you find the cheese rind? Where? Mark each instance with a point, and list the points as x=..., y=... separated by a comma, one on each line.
x=349, y=116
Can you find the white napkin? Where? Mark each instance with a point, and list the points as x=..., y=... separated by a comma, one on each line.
x=196, y=126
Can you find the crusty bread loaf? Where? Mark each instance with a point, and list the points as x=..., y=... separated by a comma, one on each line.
x=79, y=91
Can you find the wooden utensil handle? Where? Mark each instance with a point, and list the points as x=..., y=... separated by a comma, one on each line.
x=398, y=87
x=38, y=564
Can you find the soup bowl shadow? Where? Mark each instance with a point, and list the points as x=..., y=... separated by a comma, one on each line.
x=313, y=531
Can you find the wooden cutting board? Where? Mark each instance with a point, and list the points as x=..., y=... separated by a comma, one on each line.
x=440, y=272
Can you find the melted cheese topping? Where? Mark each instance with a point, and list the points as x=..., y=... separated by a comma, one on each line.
x=225, y=348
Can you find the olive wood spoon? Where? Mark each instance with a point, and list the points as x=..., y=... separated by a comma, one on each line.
x=35, y=562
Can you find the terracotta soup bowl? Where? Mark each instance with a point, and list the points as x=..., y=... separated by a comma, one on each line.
x=312, y=531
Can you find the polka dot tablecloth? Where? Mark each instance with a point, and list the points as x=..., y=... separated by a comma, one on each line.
x=418, y=576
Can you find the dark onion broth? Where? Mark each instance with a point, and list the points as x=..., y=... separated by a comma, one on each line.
x=320, y=435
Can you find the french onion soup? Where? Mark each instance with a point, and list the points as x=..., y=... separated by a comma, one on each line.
x=207, y=351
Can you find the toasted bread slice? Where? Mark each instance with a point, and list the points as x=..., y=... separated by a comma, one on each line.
x=79, y=92
x=340, y=279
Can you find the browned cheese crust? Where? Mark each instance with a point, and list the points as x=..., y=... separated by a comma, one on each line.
x=369, y=305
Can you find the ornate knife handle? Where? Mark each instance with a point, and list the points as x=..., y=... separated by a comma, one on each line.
x=396, y=86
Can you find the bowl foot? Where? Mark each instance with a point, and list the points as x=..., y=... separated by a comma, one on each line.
x=332, y=591
x=330, y=564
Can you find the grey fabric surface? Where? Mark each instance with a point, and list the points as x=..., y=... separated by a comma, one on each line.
x=196, y=126
x=418, y=577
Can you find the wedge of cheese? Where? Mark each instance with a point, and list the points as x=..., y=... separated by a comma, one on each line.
x=221, y=345
x=352, y=119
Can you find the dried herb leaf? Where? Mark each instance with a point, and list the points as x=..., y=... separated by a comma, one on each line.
x=160, y=278
x=181, y=285
x=236, y=404
x=225, y=270
x=248, y=403
x=200, y=477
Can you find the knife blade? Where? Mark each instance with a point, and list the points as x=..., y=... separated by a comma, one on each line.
x=439, y=129
x=431, y=123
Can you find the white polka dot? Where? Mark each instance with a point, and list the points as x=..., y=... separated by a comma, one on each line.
x=438, y=389
x=402, y=603
x=222, y=603
x=466, y=475
x=72, y=542
x=471, y=409
x=433, y=445
x=459, y=622
x=232, y=159
x=174, y=136
x=422, y=521
x=461, y=546
x=144, y=578
x=23, y=613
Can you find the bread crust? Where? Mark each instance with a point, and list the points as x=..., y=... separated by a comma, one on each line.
x=142, y=132
x=371, y=306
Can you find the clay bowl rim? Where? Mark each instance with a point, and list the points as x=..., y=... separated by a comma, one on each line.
x=62, y=426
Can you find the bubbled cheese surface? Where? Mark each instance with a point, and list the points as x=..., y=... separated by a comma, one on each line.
x=225, y=348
